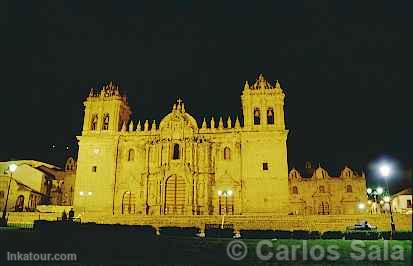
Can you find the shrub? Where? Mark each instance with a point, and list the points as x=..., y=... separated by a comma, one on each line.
x=217, y=232
x=300, y=234
x=178, y=231
x=257, y=234
x=332, y=235
x=315, y=235
x=362, y=235
x=398, y=235
x=403, y=235
x=282, y=234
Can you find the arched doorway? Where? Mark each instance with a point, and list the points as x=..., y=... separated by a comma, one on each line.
x=128, y=203
x=174, y=195
x=323, y=208
x=19, y=207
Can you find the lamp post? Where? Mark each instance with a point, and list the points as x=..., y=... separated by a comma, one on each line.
x=385, y=171
x=226, y=194
x=12, y=169
x=85, y=194
x=375, y=192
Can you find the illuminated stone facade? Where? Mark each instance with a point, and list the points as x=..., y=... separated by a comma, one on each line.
x=180, y=167
x=321, y=194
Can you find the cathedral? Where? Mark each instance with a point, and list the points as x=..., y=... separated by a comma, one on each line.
x=178, y=167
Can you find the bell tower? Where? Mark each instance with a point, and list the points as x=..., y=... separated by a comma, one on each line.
x=105, y=111
x=263, y=105
x=264, y=149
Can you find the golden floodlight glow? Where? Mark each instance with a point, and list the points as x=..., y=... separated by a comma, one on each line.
x=386, y=199
x=361, y=206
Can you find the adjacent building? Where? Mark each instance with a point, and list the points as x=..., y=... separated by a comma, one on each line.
x=36, y=183
x=402, y=201
x=314, y=191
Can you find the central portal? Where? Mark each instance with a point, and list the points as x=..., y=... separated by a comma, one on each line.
x=175, y=195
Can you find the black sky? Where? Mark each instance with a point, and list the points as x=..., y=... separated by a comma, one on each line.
x=345, y=68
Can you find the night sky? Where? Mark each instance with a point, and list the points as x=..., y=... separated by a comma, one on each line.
x=345, y=69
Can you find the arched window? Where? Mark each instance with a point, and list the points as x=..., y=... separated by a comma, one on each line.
x=176, y=152
x=257, y=116
x=295, y=190
x=94, y=122
x=105, y=125
x=349, y=188
x=321, y=189
x=270, y=116
x=131, y=155
x=227, y=153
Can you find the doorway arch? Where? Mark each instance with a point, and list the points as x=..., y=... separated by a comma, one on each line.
x=128, y=203
x=174, y=202
x=19, y=207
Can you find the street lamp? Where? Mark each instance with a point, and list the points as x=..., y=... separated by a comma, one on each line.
x=375, y=192
x=379, y=190
x=85, y=194
x=12, y=169
x=226, y=194
x=385, y=171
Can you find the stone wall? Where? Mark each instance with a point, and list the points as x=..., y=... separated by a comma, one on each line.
x=312, y=223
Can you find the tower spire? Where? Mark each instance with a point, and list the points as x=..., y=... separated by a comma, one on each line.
x=138, y=127
x=229, y=122
x=212, y=123
x=246, y=85
x=237, y=124
x=204, y=125
x=220, y=123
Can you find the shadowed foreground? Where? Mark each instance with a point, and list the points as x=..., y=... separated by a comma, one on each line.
x=112, y=247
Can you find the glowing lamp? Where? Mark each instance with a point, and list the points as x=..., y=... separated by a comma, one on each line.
x=380, y=190
x=13, y=168
x=385, y=170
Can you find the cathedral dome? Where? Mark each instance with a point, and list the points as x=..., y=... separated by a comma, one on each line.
x=178, y=123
